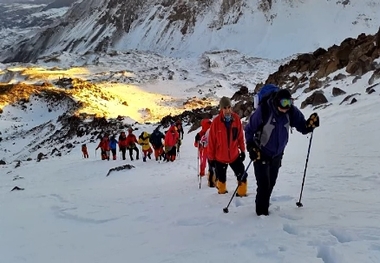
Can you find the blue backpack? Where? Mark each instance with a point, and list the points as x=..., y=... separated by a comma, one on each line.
x=264, y=93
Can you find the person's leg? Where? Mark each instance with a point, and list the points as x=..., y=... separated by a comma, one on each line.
x=137, y=152
x=238, y=167
x=263, y=185
x=274, y=167
x=221, y=171
x=131, y=153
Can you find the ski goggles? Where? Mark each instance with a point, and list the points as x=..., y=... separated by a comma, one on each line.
x=286, y=103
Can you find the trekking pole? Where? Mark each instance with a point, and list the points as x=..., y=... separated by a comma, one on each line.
x=225, y=210
x=299, y=204
x=199, y=176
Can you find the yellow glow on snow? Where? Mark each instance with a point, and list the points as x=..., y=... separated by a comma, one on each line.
x=138, y=104
x=51, y=74
x=110, y=100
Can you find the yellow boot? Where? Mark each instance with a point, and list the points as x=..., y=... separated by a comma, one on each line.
x=222, y=189
x=242, y=189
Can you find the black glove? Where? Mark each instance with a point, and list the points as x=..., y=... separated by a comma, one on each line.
x=313, y=121
x=242, y=156
x=254, y=152
x=197, y=137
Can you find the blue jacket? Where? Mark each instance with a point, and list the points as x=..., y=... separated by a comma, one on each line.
x=275, y=129
x=113, y=143
x=156, y=138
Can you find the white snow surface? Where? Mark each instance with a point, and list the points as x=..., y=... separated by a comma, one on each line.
x=71, y=212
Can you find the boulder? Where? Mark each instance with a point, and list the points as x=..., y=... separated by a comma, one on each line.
x=337, y=92
x=315, y=99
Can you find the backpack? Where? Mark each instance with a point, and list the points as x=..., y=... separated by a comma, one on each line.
x=264, y=94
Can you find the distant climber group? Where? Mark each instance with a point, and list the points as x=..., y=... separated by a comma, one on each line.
x=164, y=146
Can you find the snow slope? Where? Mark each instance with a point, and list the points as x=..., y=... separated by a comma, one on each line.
x=70, y=212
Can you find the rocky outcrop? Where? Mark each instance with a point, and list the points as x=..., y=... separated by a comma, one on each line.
x=356, y=56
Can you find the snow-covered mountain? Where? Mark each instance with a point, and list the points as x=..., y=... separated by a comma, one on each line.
x=20, y=19
x=261, y=28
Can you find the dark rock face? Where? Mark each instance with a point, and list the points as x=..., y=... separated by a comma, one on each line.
x=315, y=99
x=337, y=92
x=355, y=55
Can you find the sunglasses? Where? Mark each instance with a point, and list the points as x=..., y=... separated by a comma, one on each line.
x=286, y=103
x=227, y=107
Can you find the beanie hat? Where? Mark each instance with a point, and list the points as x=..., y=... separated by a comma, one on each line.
x=281, y=94
x=224, y=102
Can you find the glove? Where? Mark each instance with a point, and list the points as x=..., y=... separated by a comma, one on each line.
x=313, y=121
x=242, y=156
x=254, y=152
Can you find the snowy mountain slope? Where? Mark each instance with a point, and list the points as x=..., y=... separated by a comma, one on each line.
x=183, y=28
x=18, y=20
x=143, y=87
x=155, y=213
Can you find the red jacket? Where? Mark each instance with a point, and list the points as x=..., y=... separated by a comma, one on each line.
x=224, y=144
x=131, y=140
x=104, y=144
x=171, y=137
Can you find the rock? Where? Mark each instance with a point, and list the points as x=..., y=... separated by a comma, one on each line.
x=41, y=156
x=16, y=188
x=242, y=93
x=314, y=84
x=340, y=76
x=371, y=89
x=315, y=99
x=375, y=76
x=337, y=92
x=348, y=97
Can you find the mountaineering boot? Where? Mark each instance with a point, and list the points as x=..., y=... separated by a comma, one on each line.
x=222, y=189
x=144, y=159
x=242, y=189
x=262, y=211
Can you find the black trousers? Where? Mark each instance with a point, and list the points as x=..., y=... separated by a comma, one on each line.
x=123, y=150
x=131, y=153
x=266, y=173
x=221, y=170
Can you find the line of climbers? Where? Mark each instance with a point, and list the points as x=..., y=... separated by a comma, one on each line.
x=165, y=147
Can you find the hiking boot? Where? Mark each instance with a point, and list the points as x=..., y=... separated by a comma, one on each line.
x=242, y=189
x=222, y=189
